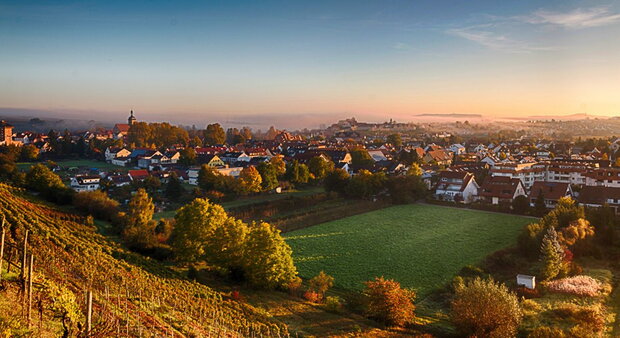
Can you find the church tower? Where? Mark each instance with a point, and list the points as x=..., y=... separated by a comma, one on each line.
x=131, y=120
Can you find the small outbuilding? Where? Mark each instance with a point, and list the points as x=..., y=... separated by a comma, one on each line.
x=527, y=281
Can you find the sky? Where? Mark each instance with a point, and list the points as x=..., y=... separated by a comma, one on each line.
x=201, y=60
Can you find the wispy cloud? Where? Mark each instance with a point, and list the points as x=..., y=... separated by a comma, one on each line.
x=578, y=18
x=484, y=36
x=401, y=46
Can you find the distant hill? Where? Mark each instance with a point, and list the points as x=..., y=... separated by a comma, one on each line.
x=452, y=115
x=572, y=117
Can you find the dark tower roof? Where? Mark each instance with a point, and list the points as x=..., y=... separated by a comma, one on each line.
x=131, y=119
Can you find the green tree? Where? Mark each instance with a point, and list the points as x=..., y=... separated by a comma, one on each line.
x=320, y=168
x=195, y=224
x=268, y=175
x=485, y=308
x=297, y=173
x=40, y=178
x=214, y=134
x=96, y=203
x=337, y=181
x=539, y=205
x=249, y=181
x=395, y=140
x=279, y=165
x=521, y=204
x=208, y=178
x=268, y=258
x=188, y=156
x=551, y=255
x=386, y=301
x=361, y=158
x=138, y=225
x=174, y=188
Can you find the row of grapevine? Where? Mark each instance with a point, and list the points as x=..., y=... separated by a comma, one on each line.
x=132, y=295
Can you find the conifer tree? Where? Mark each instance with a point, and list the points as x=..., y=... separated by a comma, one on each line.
x=552, y=255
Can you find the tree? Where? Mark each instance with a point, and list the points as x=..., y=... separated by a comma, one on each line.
x=195, y=224
x=521, y=204
x=551, y=255
x=268, y=175
x=138, y=225
x=539, y=205
x=361, y=158
x=268, y=259
x=485, y=308
x=96, y=203
x=174, y=189
x=321, y=283
x=320, y=167
x=279, y=165
x=414, y=170
x=406, y=189
x=40, y=178
x=188, y=156
x=29, y=153
x=214, y=134
x=386, y=301
x=208, y=178
x=337, y=181
x=249, y=181
x=395, y=140
x=297, y=173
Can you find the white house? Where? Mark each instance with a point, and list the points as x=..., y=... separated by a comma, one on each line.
x=85, y=183
x=456, y=186
x=457, y=149
x=112, y=153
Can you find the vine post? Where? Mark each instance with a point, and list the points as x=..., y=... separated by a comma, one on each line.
x=30, y=277
x=2, y=246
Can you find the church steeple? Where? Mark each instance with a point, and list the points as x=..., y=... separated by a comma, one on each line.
x=131, y=120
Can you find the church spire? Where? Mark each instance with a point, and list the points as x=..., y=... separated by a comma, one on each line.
x=131, y=120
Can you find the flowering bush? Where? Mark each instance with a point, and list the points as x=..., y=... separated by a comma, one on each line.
x=577, y=285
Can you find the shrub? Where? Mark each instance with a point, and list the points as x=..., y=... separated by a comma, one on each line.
x=312, y=296
x=547, y=332
x=589, y=318
x=96, y=203
x=388, y=302
x=486, y=308
x=294, y=285
x=530, y=307
x=321, y=283
x=577, y=285
x=333, y=304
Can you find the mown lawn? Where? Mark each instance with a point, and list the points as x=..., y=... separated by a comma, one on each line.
x=421, y=246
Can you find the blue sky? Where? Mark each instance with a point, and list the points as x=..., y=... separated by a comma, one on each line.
x=382, y=58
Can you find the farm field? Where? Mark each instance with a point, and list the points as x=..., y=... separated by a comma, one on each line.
x=421, y=246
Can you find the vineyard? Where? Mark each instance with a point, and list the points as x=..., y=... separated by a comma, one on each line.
x=131, y=295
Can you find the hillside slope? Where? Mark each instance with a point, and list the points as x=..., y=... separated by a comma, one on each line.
x=132, y=295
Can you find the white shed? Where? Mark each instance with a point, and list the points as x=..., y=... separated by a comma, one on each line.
x=527, y=281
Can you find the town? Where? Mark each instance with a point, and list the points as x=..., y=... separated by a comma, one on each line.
x=492, y=174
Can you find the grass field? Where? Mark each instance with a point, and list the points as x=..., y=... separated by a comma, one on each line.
x=77, y=163
x=421, y=246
